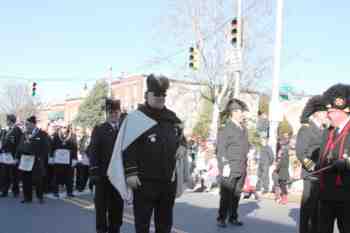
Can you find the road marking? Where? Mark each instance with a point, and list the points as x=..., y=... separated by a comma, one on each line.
x=128, y=218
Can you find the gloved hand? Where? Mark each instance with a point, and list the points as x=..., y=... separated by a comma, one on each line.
x=74, y=162
x=340, y=164
x=133, y=182
x=309, y=164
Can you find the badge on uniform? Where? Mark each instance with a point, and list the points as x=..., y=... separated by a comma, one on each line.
x=152, y=138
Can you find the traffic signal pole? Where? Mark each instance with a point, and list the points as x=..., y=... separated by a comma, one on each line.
x=275, y=115
x=237, y=72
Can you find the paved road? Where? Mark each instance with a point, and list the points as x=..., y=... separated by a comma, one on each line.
x=194, y=213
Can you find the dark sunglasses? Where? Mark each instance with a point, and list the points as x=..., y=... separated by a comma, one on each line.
x=159, y=94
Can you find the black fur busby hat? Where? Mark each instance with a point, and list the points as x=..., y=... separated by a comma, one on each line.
x=338, y=97
x=31, y=119
x=157, y=84
x=314, y=104
x=112, y=105
x=236, y=104
x=11, y=118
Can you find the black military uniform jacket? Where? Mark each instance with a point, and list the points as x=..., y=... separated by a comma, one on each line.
x=68, y=144
x=233, y=146
x=308, y=143
x=11, y=140
x=152, y=155
x=101, y=146
x=329, y=189
x=37, y=144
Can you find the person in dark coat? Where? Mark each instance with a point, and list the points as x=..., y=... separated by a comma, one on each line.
x=64, y=151
x=232, y=148
x=307, y=147
x=282, y=167
x=32, y=152
x=108, y=202
x=334, y=152
x=10, y=143
x=150, y=160
x=265, y=161
x=82, y=168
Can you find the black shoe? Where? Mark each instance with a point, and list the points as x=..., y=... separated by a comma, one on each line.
x=70, y=195
x=235, y=222
x=26, y=201
x=4, y=195
x=221, y=223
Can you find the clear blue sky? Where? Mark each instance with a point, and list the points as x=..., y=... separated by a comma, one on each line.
x=78, y=40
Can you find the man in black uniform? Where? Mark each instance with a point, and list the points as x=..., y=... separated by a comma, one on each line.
x=307, y=147
x=335, y=149
x=108, y=201
x=9, y=146
x=149, y=161
x=32, y=152
x=232, y=148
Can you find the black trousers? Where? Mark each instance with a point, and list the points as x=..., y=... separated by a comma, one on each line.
x=82, y=177
x=109, y=207
x=63, y=174
x=28, y=181
x=10, y=178
x=229, y=199
x=309, y=209
x=334, y=210
x=263, y=177
x=157, y=197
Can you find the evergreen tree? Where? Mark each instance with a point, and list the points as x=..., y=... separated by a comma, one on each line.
x=91, y=111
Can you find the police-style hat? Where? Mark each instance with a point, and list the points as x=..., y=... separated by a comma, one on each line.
x=314, y=104
x=236, y=104
x=11, y=118
x=112, y=105
x=157, y=84
x=338, y=97
x=31, y=119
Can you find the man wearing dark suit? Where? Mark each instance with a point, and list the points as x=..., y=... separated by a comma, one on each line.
x=335, y=146
x=108, y=202
x=32, y=153
x=232, y=148
x=9, y=146
x=307, y=148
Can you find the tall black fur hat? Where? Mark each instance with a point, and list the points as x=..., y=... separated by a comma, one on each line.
x=112, y=105
x=338, y=97
x=157, y=84
x=314, y=104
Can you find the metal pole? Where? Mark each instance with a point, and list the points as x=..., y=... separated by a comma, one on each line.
x=110, y=82
x=237, y=73
x=275, y=114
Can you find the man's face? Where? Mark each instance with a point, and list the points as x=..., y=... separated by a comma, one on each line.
x=29, y=126
x=114, y=115
x=238, y=115
x=156, y=100
x=336, y=116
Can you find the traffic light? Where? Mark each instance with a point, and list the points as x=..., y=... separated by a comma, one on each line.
x=34, y=89
x=234, y=31
x=194, y=58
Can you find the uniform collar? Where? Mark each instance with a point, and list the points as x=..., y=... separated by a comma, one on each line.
x=343, y=124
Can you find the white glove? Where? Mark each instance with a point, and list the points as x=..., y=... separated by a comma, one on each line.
x=74, y=162
x=133, y=182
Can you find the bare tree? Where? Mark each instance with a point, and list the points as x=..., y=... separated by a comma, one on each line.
x=16, y=99
x=206, y=25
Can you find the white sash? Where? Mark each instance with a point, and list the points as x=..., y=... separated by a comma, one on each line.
x=26, y=163
x=62, y=156
x=8, y=158
x=226, y=171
